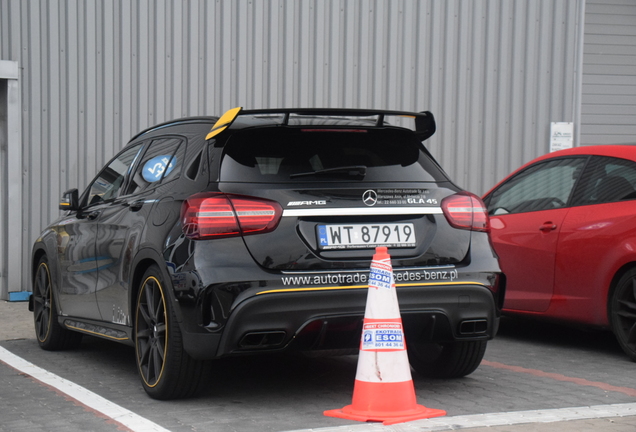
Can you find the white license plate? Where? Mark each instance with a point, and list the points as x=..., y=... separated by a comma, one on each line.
x=361, y=236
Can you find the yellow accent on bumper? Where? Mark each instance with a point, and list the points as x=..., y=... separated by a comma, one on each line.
x=286, y=290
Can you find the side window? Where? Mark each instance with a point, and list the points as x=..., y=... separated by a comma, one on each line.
x=606, y=179
x=160, y=163
x=108, y=183
x=544, y=186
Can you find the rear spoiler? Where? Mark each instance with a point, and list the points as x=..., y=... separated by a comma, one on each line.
x=424, y=121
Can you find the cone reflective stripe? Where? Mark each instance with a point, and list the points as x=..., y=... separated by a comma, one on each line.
x=383, y=389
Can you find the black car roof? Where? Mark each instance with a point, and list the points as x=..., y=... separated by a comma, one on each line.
x=177, y=122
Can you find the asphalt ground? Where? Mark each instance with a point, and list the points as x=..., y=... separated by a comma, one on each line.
x=591, y=390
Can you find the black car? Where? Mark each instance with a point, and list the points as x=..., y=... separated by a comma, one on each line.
x=212, y=237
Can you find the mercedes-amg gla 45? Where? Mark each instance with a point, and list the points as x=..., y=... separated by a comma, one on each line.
x=213, y=237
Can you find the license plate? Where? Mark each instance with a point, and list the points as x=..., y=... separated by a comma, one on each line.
x=363, y=236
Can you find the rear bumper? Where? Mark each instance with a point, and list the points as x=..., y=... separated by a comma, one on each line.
x=331, y=319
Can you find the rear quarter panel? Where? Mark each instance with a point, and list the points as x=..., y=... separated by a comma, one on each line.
x=595, y=243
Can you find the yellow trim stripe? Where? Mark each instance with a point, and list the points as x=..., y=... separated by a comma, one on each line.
x=96, y=333
x=225, y=121
x=313, y=289
x=287, y=290
x=442, y=283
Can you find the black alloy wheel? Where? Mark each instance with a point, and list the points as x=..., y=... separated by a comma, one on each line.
x=623, y=313
x=165, y=369
x=152, y=332
x=42, y=302
x=50, y=335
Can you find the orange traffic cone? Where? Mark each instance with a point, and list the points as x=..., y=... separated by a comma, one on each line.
x=383, y=390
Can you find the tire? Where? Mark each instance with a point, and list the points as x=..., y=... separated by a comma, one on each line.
x=165, y=369
x=451, y=360
x=623, y=313
x=50, y=334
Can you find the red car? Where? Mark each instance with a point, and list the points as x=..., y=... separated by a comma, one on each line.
x=564, y=227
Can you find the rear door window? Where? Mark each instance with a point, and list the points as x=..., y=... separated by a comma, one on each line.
x=606, y=179
x=161, y=163
x=293, y=155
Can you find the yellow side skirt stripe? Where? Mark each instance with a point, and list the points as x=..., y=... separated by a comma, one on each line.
x=96, y=333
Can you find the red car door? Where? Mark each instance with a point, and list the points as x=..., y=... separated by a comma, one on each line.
x=527, y=211
x=526, y=244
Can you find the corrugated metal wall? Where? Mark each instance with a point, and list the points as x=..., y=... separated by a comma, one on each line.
x=609, y=73
x=494, y=72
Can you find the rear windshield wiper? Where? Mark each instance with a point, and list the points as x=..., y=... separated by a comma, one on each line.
x=353, y=171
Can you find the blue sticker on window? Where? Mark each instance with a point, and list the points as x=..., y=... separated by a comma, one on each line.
x=155, y=167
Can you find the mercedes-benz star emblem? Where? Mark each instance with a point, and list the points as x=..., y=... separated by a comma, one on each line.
x=370, y=198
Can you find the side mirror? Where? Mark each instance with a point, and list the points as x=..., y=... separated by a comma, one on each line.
x=70, y=200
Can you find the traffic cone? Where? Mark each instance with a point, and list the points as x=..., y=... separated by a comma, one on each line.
x=383, y=390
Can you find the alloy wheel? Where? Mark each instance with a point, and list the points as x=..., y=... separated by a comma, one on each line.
x=151, y=333
x=624, y=314
x=42, y=302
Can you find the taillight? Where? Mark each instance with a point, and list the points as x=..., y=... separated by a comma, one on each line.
x=465, y=210
x=216, y=215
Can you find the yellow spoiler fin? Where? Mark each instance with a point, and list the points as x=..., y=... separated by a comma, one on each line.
x=224, y=122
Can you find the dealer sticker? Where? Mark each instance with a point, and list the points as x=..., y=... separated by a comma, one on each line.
x=154, y=168
x=383, y=336
x=379, y=278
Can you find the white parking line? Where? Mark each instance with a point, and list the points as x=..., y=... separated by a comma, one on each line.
x=83, y=396
x=492, y=419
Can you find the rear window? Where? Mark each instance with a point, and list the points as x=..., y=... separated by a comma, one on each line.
x=292, y=155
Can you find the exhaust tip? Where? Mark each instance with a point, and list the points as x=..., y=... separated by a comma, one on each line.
x=473, y=327
x=262, y=340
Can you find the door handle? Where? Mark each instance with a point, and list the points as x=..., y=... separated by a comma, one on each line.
x=136, y=205
x=548, y=226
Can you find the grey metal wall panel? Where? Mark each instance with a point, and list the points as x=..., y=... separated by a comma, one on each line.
x=11, y=215
x=494, y=72
x=4, y=193
x=609, y=73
